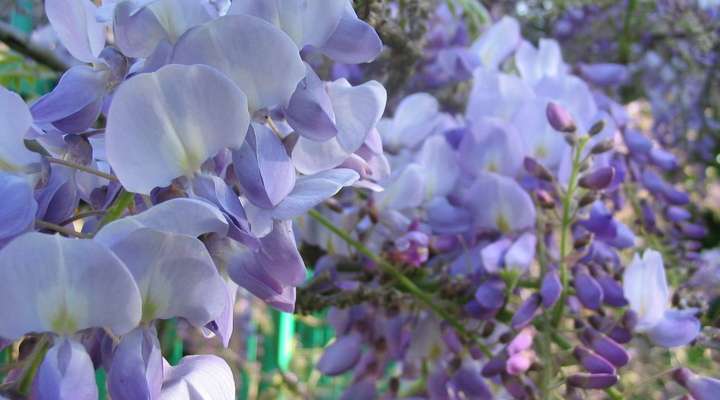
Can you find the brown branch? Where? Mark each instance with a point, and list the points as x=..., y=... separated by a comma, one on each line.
x=22, y=44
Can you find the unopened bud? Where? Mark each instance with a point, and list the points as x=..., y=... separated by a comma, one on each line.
x=599, y=179
x=582, y=241
x=559, y=118
x=587, y=199
x=596, y=128
x=537, y=170
x=602, y=147
x=592, y=381
x=544, y=199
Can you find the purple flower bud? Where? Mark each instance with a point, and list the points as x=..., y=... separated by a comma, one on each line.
x=588, y=290
x=636, y=142
x=559, y=118
x=663, y=159
x=700, y=387
x=544, y=199
x=537, y=170
x=523, y=341
x=515, y=387
x=620, y=334
x=525, y=314
x=518, y=363
x=612, y=291
x=550, y=289
x=592, y=381
x=606, y=347
x=677, y=214
x=603, y=147
x=469, y=381
x=599, y=179
x=674, y=196
x=593, y=362
x=491, y=294
x=495, y=366
x=693, y=231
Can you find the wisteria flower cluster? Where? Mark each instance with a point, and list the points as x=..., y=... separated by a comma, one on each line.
x=507, y=228
x=185, y=140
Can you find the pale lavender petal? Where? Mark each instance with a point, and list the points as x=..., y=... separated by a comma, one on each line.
x=152, y=138
x=201, y=377
x=175, y=274
x=498, y=42
x=262, y=60
x=311, y=190
x=415, y=118
x=71, y=293
x=522, y=253
x=310, y=110
x=16, y=121
x=136, y=371
x=311, y=157
x=500, y=203
x=17, y=207
x=263, y=167
x=182, y=216
x=605, y=74
x=440, y=164
x=75, y=24
x=677, y=328
x=357, y=110
x=353, y=41
x=67, y=372
x=405, y=190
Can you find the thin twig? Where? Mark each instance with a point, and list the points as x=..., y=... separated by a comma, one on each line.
x=59, y=229
x=82, y=168
x=22, y=44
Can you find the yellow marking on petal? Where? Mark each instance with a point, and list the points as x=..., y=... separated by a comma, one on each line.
x=63, y=322
x=149, y=309
x=502, y=223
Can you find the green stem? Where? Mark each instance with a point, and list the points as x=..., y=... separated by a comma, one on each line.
x=82, y=168
x=35, y=359
x=614, y=394
x=626, y=39
x=567, y=216
x=59, y=229
x=124, y=200
x=401, y=279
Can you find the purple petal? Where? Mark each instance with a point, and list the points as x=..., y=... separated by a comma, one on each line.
x=550, y=289
x=16, y=121
x=700, y=387
x=606, y=348
x=136, y=371
x=677, y=328
x=310, y=110
x=491, y=294
x=311, y=190
x=588, y=290
x=189, y=217
x=605, y=74
x=353, y=41
x=341, y=355
x=526, y=312
x=593, y=362
x=17, y=207
x=263, y=168
x=66, y=373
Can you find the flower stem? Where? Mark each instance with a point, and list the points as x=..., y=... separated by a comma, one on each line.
x=35, y=359
x=124, y=200
x=59, y=229
x=567, y=217
x=401, y=279
x=82, y=168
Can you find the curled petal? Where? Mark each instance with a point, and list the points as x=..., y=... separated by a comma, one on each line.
x=159, y=129
x=498, y=42
x=353, y=41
